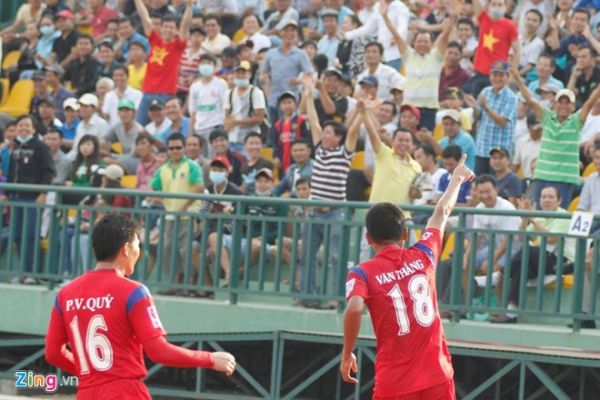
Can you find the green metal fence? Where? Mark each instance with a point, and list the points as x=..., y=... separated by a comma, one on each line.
x=186, y=252
x=8, y=11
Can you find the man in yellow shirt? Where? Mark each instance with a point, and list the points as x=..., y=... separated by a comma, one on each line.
x=136, y=64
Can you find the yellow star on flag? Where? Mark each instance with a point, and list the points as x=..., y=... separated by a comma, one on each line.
x=158, y=55
x=489, y=40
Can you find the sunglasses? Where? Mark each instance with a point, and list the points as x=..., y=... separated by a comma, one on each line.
x=174, y=148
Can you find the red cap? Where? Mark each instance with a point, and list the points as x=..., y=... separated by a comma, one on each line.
x=64, y=14
x=412, y=109
x=221, y=160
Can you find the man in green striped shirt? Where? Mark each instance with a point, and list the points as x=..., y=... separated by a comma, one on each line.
x=558, y=161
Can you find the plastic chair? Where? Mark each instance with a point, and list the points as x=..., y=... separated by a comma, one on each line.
x=11, y=59
x=574, y=204
x=267, y=153
x=117, y=148
x=19, y=98
x=5, y=90
x=590, y=169
x=358, y=161
x=129, y=181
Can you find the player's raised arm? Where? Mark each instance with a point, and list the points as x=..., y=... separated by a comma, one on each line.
x=446, y=204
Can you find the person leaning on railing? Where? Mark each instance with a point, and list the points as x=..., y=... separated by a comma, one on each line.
x=550, y=202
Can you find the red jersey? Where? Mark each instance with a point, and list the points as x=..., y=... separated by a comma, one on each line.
x=398, y=286
x=163, y=65
x=106, y=319
x=495, y=40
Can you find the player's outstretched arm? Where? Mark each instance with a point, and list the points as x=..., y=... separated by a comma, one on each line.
x=352, y=319
x=446, y=204
x=162, y=352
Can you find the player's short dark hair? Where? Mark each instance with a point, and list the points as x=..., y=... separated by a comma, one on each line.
x=251, y=135
x=452, y=152
x=173, y=137
x=385, y=222
x=375, y=44
x=486, y=178
x=110, y=234
x=428, y=150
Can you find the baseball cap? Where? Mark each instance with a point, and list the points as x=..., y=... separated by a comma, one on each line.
x=500, y=66
x=287, y=95
x=89, y=99
x=113, y=172
x=38, y=76
x=220, y=160
x=500, y=150
x=229, y=52
x=126, y=103
x=264, y=172
x=412, y=109
x=285, y=23
x=329, y=12
x=452, y=114
x=245, y=65
x=397, y=86
x=565, y=92
x=333, y=71
x=156, y=104
x=71, y=103
x=64, y=14
x=57, y=69
x=369, y=80
x=548, y=87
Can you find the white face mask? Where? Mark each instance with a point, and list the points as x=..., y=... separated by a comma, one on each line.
x=497, y=12
x=206, y=70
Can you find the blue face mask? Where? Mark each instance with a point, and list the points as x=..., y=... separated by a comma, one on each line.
x=47, y=30
x=25, y=139
x=217, y=177
x=243, y=83
x=206, y=70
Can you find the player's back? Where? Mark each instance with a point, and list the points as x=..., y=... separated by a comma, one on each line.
x=399, y=290
x=96, y=310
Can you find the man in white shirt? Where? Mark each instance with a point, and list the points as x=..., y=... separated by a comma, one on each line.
x=531, y=45
x=387, y=76
x=215, y=41
x=91, y=123
x=207, y=99
x=122, y=91
x=527, y=148
x=399, y=14
x=159, y=123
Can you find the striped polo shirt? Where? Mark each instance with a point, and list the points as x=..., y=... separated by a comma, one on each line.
x=559, y=151
x=330, y=173
x=422, y=78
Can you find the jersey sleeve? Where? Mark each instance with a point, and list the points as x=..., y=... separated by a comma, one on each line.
x=57, y=353
x=143, y=316
x=356, y=283
x=430, y=246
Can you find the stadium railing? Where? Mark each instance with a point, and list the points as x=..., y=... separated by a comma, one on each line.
x=271, y=274
x=8, y=11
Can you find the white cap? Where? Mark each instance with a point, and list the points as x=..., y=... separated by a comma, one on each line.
x=565, y=92
x=89, y=99
x=452, y=114
x=71, y=102
x=113, y=172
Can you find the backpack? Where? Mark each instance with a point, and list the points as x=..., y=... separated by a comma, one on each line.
x=265, y=125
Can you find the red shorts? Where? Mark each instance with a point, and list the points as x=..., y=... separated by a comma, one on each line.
x=126, y=389
x=443, y=391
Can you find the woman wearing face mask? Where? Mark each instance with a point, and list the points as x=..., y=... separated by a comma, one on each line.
x=48, y=35
x=207, y=100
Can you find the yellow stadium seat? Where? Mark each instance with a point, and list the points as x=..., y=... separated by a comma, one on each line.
x=358, y=161
x=11, y=59
x=267, y=153
x=590, y=169
x=438, y=132
x=238, y=36
x=520, y=172
x=5, y=90
x=86, y=29
x=448, y=248
x=129, y=181
x=117, y=148
x=19, y=98
x=574, y=204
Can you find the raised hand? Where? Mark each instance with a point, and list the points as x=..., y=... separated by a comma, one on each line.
x=347, y=366
x=224, y=362
x=383, y=7
x=462, y=171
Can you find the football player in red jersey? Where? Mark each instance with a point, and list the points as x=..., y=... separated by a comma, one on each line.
x=398, y=288
x=110, y=321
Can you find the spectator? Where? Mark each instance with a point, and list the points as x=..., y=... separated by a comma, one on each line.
x=290, y=126
x=26, y=63
x=454, y=135
x=62, y=49
x=580, y=19
x=251, y=27
x=334, y=151
x=409, y=118
x=174, y=113
x=244, y=108
x=46, y=117
x=103, y=86
x=283, y=12
x=72, y=120
x=193, y=151
x=301, y=169
x=220, y=146
x=527, y=148
x=82, y=72
x=545, y=67
x=558, y=163
x=451, y=156
x=106, y=59
x=58, y=92
x=387, y=76
x=468, y=41
x=85, y=172
x=508, y=183
x=283, y=66
x=497, y=36
x=147, y=162
x=122, y=91
x=52, y=8
x=397, y=93
x=112, y=34
x=96, y=16
x=136, y=65
x=228, y=63
x=91, y=123
x=591, y=191
x=179, y=175
x=207, y=100
x=425, y=186
x=521, y=12
x=215, y=42
x=49, y=34
x=423, y=67
x=590, y=133
x=126, y=130
x=453, y=74
x=30, y=163
x=350, y=55
x=329, y=43
x=497, y=108
x=62, y=165
x=159, y=123
x=531, y=44
x=166, y=48
x=550, y=202
x=190, y=61
x=330, y=105
x=26, y=14
x=6, y=147
x=254, y=163
x=128, y=35
x=585, y=75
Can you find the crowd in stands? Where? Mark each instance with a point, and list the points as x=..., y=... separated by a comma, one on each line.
x=366, y=100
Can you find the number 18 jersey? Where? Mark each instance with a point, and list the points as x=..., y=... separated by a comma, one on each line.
x=398, y=286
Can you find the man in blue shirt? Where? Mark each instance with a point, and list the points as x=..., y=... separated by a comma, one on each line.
x=328, y=45
x=509, y=185
x=128, y=35
x=450, y=158
x=453, y=135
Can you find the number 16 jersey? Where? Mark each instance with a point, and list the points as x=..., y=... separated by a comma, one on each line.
x=398, y=286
